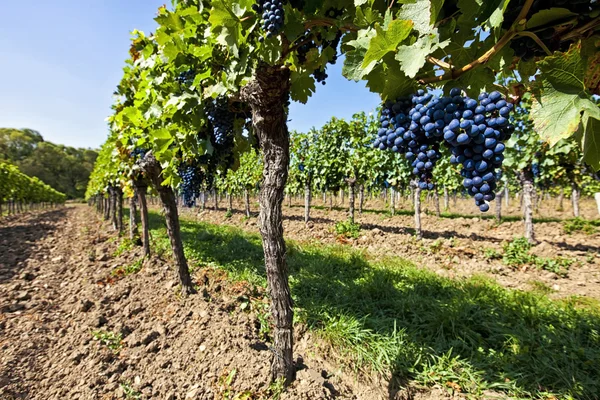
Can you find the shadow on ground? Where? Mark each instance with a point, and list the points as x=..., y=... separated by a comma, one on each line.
x=392, y=316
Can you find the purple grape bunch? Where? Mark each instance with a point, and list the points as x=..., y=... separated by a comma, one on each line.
x=474, y=130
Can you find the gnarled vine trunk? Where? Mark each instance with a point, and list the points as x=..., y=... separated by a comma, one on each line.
x=216, y=199
x=446, y=199
x=361, y=198
x=247, y=202
x=392, y=201
x=351, y=196
x=141, y=187
x=267, y=96
x=229, y=203
x=307, y=198
x=499, y=206
x=153, y=170
x=119, y=208
x=561, y=199
x=417, y=201
x=575, y=199
x=106, y=201
x=527, y=184
x=436, y=200
x=133, y=219
x=113, y=207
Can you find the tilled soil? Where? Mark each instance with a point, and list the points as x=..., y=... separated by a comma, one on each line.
x=60, y=303
x=452, y=247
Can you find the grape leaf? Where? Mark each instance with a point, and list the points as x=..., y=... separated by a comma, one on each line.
x=420, y=13
x=497, y=16
x=591, y=140
x=412, y=58
x=397, y=84
x=556, y=115
x=303, y=86
x=549, y=17
x=556, y=110
x=386, y=40
x=352, y=68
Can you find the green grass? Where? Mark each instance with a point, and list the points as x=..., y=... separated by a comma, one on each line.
x=390, y=316
x=580, y=225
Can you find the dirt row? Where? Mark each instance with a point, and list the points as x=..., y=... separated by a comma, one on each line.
x=452, y=247
x=70, y=328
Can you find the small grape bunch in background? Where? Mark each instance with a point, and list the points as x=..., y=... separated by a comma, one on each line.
x=272, y=16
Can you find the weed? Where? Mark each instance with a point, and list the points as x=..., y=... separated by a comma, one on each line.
x=128, y=269
x=263, y=315
x=516, y=252
x=560, y=266
x=580, y=225
x=348, y=229
x=229, y=214
x=110, y=339
x=124, y=246
x=276, y=389
x=129, y=391
x=491, y=254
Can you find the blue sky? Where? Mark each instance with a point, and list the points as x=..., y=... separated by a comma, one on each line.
x=61, y=60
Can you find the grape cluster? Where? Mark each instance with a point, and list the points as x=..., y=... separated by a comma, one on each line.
x=409, y=127
x=316, y=39
x=138, y=153
x=473, y=129
x=186, y=78
x=273, y=16
x=476, y=139
x=222, y=120
x=191, y=181
x=535, y=168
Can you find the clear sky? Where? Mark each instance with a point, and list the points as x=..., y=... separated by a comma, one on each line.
x=61, y=60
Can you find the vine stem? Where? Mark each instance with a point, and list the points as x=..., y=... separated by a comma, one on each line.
x=536, y=39
x=508, y=36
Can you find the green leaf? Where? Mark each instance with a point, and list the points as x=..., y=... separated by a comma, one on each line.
x=497, y=16
x=549, y=17
x=352, y=68
x=397, y=84
x=420, y=13
x=412, y=58
x=479, y=11
x=386, y=41
x=556, y=110
x=303, y=86
x=564, y=71
x=591, y=135
x=556, y=115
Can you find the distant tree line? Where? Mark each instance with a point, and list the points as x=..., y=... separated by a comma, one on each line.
x=66, y=169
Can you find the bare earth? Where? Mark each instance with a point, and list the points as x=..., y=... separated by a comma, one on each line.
x=57, y=291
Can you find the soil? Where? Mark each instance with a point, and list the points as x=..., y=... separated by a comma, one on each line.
x=61, y=299
x=58, y=292
x=452, y=247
